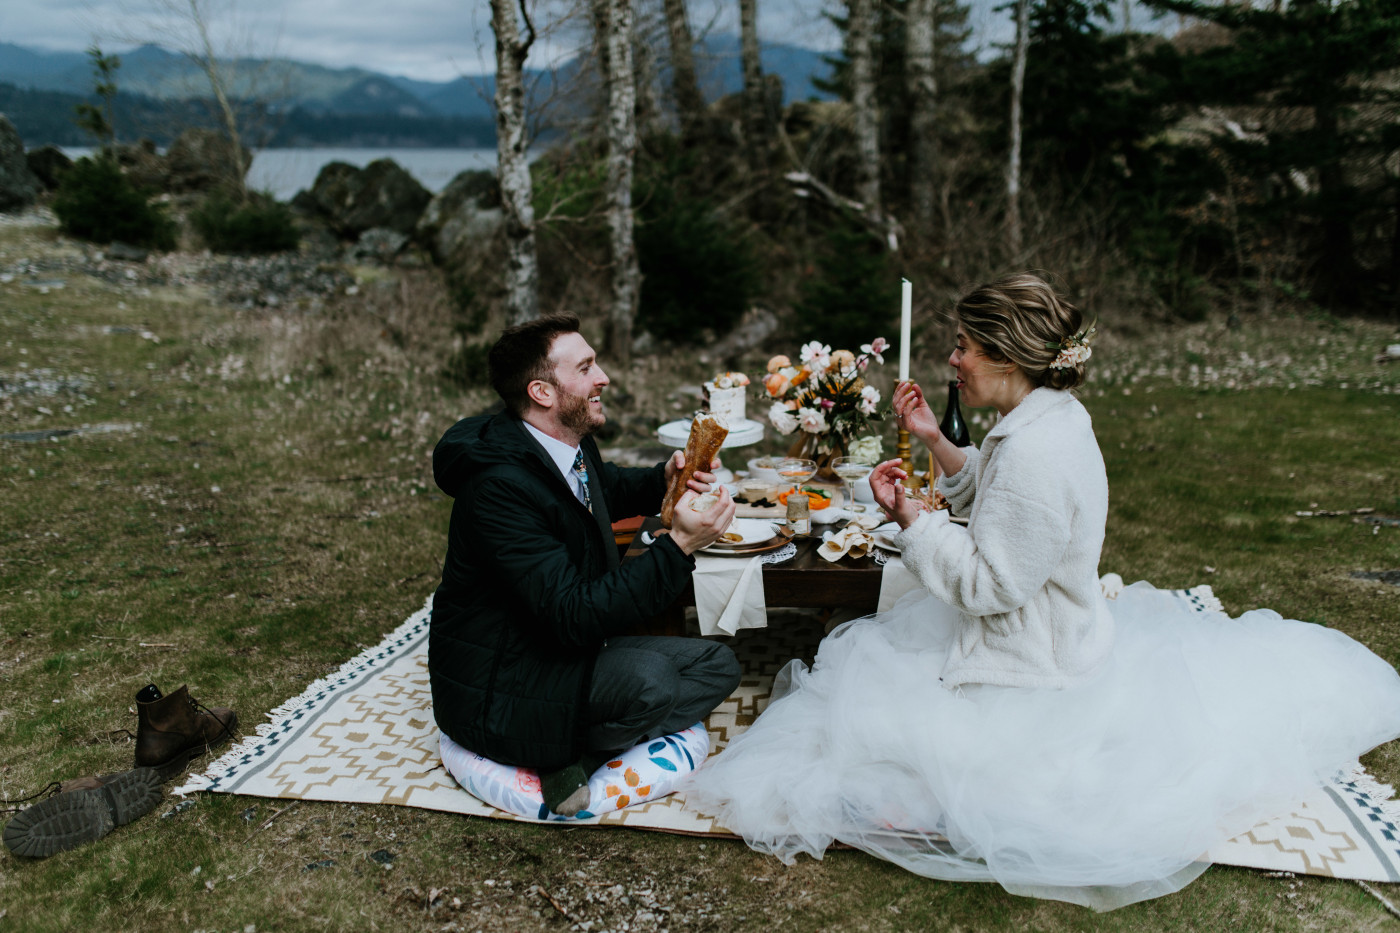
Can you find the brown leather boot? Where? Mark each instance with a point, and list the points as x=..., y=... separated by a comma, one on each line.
x=170, y=730
x=82, y=810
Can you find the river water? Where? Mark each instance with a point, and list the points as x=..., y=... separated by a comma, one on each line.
x=284, y=172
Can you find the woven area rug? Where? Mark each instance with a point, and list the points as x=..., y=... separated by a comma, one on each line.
x=366, y=735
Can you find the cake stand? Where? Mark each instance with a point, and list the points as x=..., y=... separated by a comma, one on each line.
x=745, y=433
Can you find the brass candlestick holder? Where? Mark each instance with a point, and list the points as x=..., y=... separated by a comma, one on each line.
x=911, y=482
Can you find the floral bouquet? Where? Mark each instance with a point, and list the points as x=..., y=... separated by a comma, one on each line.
x=825, y=395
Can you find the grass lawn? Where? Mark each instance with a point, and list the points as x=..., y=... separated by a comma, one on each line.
x=246, y=501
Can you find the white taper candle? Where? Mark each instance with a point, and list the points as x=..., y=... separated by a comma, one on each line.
x=905, y=326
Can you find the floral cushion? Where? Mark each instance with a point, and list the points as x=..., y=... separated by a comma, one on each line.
x=643, y=773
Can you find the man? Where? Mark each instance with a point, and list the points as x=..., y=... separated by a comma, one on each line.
x=530, y=657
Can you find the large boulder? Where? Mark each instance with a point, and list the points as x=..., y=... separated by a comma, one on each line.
x=48, y=163
x=143, y=165
x=18, y=186
x=203, y=160
x=353, y=200
x=467, y=209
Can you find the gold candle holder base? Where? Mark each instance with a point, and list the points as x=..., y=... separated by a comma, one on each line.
x=912, y=482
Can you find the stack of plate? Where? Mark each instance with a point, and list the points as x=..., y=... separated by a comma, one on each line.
x=749, y=536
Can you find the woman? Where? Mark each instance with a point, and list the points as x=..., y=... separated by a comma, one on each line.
x=1007, y=723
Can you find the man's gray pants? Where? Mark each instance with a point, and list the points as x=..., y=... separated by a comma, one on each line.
x=647, y=686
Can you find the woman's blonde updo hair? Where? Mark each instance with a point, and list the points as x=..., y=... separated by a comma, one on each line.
x=1014, y=318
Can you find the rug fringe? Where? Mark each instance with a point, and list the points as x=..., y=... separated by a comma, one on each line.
x=278, y=717
x=1382, y=795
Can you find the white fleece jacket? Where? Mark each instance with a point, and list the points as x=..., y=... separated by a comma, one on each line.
x=1024, y=573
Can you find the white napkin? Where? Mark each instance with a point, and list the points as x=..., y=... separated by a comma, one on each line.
x=729, y=594
x=853, y=540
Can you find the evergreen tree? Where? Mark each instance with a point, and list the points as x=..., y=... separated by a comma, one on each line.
x=1311, y=71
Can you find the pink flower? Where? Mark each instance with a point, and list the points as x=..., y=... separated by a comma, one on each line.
x=875, y=348
x=869, y=398
x=782, y=419
x=812, y=420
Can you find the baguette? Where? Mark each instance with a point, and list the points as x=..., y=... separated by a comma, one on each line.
x=707, y=434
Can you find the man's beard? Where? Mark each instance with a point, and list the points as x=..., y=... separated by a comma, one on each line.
x=575, y=415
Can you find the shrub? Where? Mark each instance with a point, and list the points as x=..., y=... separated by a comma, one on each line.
x=258, y=225
x=854, y=294
x=691, y=262
x=96, y=202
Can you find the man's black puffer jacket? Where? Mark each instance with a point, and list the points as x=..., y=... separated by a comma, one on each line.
x=531, y=587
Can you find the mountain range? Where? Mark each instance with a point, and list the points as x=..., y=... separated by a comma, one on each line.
x=326, y=106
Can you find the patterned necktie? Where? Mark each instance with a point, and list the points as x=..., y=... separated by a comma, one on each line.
x=582, y=470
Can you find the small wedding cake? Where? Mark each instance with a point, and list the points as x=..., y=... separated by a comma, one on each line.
x=728, y=397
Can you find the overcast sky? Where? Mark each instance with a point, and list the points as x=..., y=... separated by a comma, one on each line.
x=434, y=40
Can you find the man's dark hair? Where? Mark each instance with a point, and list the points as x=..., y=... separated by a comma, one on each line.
x=522, y=355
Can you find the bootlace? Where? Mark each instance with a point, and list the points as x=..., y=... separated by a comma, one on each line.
x=51, y=788
x=197, y=706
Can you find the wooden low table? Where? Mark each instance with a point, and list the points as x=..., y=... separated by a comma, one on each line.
x=807, y=581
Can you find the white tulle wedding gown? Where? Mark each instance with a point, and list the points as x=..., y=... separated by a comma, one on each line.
x=1197, y=728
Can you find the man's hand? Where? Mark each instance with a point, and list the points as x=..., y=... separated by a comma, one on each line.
x=693, y=530
x=699, y=481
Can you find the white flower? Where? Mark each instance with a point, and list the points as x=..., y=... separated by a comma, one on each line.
x=816, y=355
x=782, y=419
x=868, y=449
x=812, y=420
x=869, y=398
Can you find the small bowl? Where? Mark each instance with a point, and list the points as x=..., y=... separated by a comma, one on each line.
x=765, y=469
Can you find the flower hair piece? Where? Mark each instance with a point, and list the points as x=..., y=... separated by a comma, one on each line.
x=1075, y=348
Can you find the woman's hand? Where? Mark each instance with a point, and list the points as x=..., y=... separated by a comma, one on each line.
x=693, y=530
x=700, y=480
x=912, y=411
x=890, y=494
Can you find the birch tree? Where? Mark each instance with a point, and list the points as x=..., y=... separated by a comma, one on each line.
x=1013, y=162
x=613, y=23
x=860, y=27
x=755, y=110
x=922, y=89
x=513, y=168
x=690, y=104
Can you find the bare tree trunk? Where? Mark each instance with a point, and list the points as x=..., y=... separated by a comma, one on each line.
x=755, y=110
x=203, y=56
x=690, y=104
x=1013, y=165
x=645, y=81
x=859, y=28
x=923, y=115
x=513, y=167
x=613, y=20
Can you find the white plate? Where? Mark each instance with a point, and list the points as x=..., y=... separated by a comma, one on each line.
x=885, y=542
x=755, y=532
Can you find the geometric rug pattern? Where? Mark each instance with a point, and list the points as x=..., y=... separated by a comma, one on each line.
x=366, y=735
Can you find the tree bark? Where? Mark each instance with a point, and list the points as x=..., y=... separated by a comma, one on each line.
x=513, y=167
x=859, y=28
x=1013, y=164
x=613, y=20
x=920, y=28
x=755, y=110
x=690, y=103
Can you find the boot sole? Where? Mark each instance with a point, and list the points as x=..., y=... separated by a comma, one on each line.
x=70, y=820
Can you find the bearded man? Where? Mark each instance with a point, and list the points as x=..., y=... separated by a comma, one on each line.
x=531, y=654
